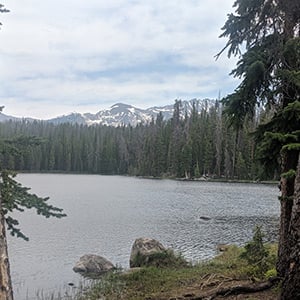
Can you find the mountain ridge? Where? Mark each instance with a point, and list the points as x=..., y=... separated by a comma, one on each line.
x=122, y=114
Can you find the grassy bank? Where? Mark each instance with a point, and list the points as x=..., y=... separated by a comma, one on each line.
x=248, y=272
x=229, y=269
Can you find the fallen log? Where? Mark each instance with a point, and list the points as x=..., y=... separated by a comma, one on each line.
x=239, y=289
x=247, y=288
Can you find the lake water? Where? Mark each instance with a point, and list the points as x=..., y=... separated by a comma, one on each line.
x=107, y=213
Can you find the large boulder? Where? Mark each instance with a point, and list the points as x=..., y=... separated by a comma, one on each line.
x=143, y=249
x=146, y=252
x=91, y=264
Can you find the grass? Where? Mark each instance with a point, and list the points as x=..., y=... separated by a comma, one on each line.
x=160, y=259
x=165, y=282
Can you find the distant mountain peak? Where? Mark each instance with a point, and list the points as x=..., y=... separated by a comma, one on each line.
x=121, y=114
x=121, y=105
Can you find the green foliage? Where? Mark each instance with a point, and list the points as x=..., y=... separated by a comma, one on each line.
x=163, y=259
x=229, y=262
x=193, y=146
x=258, y=256
x=291, y=147
x=261, y=34
x=197, y=171
x=271, y=273
x=13, y=195
x=279, y=134
x=289, y=174
x=16, y=197
x=149, y=282
x=142, y=283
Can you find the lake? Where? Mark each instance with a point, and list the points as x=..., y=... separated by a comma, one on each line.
x=107, y=213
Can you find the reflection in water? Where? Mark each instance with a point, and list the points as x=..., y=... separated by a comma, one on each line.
x=107, y=213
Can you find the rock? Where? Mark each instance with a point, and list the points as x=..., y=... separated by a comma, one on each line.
x=204, y=218
x=222, y=247
x=143, y=249
x=93, y=264
x=147, y=252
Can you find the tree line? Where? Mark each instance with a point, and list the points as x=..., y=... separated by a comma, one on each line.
x=193, y=146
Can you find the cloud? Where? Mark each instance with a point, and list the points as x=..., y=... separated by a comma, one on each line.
x=89, y=55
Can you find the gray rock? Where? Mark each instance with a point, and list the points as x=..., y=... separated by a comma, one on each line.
x=93, y=264
x=143, y=249
x=205, y=218
x=222, y=247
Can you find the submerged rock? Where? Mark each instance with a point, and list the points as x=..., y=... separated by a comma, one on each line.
x=93, y=264
x=205, y=218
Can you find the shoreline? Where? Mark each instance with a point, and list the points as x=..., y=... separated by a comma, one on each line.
x=201, y=179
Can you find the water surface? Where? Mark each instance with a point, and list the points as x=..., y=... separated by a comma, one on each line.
x=107, y=213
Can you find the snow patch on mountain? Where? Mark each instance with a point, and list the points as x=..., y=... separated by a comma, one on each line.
x=121, y=114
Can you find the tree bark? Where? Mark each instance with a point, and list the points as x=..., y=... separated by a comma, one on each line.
x=6, y=292
x=291, y=281
x=289, y=161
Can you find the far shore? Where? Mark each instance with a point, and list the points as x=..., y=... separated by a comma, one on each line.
x=200, y=179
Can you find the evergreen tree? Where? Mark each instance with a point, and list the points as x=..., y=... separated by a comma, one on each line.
x=160, y=144
x=176, y=142
x=218, y=139
x=265, y=35
x=13, y=196
x=199, y=141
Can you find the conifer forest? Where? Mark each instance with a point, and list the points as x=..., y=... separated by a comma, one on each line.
x=197, y=145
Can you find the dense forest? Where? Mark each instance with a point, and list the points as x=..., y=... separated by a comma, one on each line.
x=193, y=146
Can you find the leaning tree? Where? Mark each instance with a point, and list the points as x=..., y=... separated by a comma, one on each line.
x=264, y=34
x=15, y=197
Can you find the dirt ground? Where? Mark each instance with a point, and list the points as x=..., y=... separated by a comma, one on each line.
x=208, y=289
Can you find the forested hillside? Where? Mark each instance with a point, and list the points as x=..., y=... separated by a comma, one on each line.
x=190, y=147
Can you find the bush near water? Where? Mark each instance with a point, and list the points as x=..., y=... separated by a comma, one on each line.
x=172, y=280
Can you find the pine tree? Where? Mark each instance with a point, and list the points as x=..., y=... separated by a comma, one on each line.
x=265, y=36
x=176, y=142
x=13, y=196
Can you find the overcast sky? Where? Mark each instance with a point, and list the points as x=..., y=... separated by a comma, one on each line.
x=58, y=57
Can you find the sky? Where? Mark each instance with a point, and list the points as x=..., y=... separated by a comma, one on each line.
x=58, y=57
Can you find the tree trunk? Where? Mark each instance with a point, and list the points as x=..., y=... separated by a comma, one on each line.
x=6, y=292
x=289, y=161
x=291, y=281
x=235, y=147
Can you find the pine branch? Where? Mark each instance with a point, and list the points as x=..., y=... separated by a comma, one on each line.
x=16, y=197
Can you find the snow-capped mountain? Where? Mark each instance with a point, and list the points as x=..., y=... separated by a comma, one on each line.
x=5, y=118
x=123, y=114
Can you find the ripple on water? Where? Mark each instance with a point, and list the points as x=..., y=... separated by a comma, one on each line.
x=107, y=213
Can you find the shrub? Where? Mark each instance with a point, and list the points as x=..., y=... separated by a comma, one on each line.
x=271, y=273
x=166, y=258
x=260, y=258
